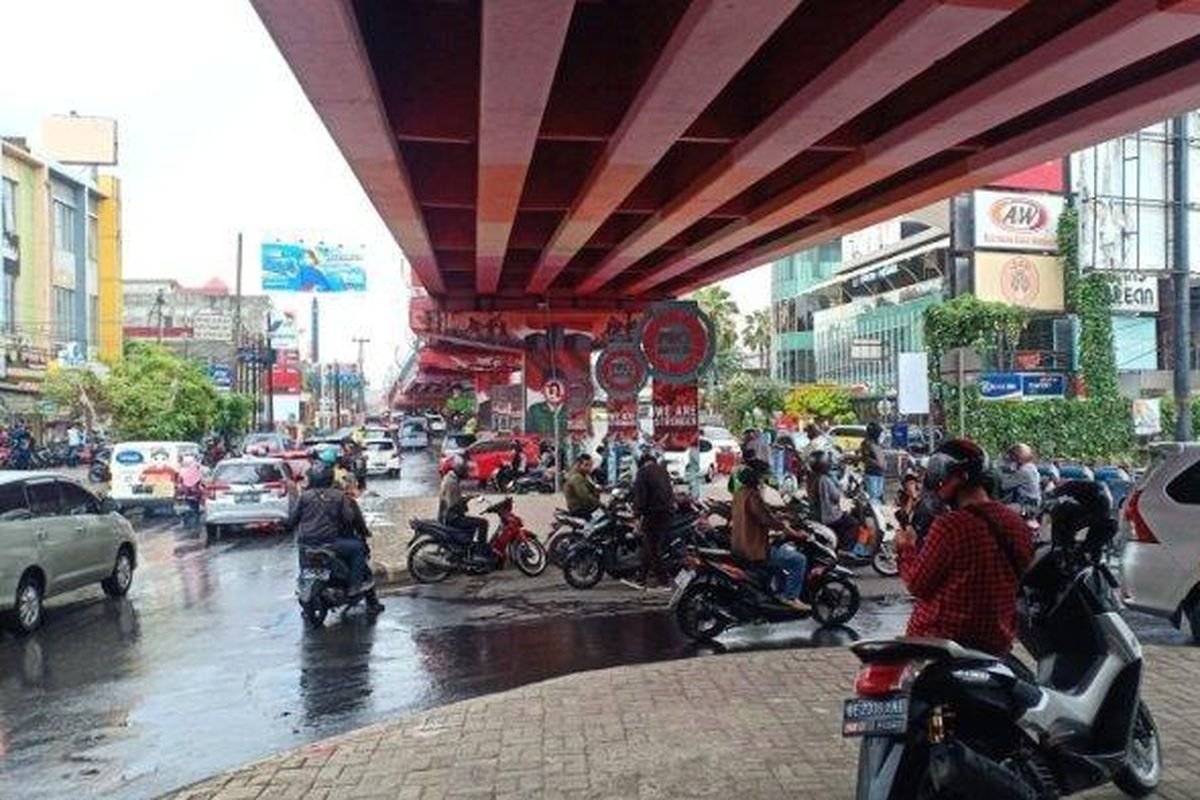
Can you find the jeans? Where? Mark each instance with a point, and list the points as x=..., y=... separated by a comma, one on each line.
x=477, y=525
x=354, y=553
x=654, y=532
x=792, y=564
x=874, y=486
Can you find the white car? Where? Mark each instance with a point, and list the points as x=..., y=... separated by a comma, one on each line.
x=248, y=491
x=382, y=457
x=437, y=424
x=1160, y=562
x=414, y=434
x=676, y=462
x=721, y=438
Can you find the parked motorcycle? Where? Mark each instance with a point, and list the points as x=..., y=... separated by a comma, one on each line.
x=940, y=720
x=323, y=585
x=610, y=544
x=715, y=590
x=509, y=481
x=437, y=550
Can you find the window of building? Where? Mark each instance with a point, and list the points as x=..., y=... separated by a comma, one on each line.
x=93, y=234
x=9, y=201
x=64, y=227
x=64, y=314
x=10, y=302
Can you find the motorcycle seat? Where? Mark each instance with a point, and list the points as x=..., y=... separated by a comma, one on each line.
x=917, y=647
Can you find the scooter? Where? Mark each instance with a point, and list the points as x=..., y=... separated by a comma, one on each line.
x=438, y=550
x=937, y=719
x=323, y=585
x=877, y=526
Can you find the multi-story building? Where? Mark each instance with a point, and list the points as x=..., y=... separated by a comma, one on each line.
x=60, y=293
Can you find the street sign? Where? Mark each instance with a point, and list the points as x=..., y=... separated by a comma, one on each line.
x=555, y=392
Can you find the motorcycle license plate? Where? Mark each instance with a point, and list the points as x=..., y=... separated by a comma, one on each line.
x=682, y=580
x=866, y=716
x=315, y=574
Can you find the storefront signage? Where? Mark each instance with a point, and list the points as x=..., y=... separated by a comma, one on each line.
x=677, y=340
x=1017, y=220
x=620, y=369
x=1031, y=281
x=212, y=326
x=1134, y=294
x=1019, y=385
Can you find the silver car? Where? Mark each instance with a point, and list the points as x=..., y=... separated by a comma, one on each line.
x=248, y=491
x=55, y=537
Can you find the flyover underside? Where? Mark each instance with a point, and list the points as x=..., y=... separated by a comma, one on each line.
x=594, y=153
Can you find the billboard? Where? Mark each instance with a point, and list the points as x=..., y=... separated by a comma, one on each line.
x=676, y=415
x=1033, y=282
x=1017, y=220
x=286, y=377
x=301, y=267
x=565, y=358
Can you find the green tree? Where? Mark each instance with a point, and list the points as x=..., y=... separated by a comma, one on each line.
x=154, y=394
x=232, y=414
x=819, y=401
x=79, y=391
x=718, y=304
x=746, y=400
x=1090, y=298
x=757, y=331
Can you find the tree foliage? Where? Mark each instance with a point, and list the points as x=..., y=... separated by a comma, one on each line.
x=746, y=400
x=718, y=304
x=156, y=395
x=1090, y=298
x=967, y=321
x=819, y=402
x=232, y=414
x=757, y=332
x=79, y=392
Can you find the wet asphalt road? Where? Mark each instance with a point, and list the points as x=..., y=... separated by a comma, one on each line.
x=208, y=665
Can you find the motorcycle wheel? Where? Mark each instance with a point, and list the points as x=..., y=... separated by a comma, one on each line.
x=835, y=601
x=583, y=570
x=529, y=555
x=427, y=562
x=314, y=612
x=1143, y=763
x=560, y=543
x=884, y=561
x=697, y=614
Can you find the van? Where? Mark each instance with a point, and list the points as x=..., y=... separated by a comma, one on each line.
x=143, y=473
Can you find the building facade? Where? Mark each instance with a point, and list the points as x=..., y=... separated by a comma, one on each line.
x=61, y=242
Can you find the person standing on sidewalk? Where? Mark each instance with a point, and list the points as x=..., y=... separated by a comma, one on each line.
x=870, y=456
x=654, y=505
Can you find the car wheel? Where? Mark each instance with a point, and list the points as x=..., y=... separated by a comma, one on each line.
x=212, y=533
x=27, y=613
x=117, y=584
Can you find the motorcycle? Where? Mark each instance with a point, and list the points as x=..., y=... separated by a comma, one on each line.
x=940, y=720
x=323, y=585
x=881, y=527
x=610, y=544
x=716, y=591
x=439, y=550
x=509, y=481
x=100, y=471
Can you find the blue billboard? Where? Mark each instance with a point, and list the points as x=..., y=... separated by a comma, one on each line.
x=301, y=267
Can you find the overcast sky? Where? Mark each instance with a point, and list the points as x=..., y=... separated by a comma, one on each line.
x=215, y=137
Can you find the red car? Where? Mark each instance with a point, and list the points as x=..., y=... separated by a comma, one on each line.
x=484, y=458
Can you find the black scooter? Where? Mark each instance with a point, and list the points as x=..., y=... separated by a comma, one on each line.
x=323, y=585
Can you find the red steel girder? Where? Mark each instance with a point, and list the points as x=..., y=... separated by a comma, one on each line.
x=910, y=39
x=1118, y=36
x=521, y=44
x=321, y=42
x=711, y=43
x=1115, y=115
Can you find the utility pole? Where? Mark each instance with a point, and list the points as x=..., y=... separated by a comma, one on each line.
x=237, y=318
x=362, y=378
x=160, y=300
x=1182, y=277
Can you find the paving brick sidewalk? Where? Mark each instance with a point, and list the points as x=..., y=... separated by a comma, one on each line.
x=756, y=725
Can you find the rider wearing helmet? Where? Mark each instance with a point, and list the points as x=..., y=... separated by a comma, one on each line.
x=752, y=522
x=827, y=495
x=966, y=574
x=325, y=516
x=452, y=506
x=1021, y=483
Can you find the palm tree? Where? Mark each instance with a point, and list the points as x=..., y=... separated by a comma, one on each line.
x=757, y=331
x=718, y=304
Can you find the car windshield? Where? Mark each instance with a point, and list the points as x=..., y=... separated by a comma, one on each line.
x=246, y=474
x=262, y=438
x=377, y=447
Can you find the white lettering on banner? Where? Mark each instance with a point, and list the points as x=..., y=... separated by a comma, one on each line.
x=212, y=326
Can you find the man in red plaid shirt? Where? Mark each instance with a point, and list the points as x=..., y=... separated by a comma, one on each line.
x=966, y=573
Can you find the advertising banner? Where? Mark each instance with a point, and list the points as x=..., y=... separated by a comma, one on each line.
x=212, y=326
x=1134, y=294
x=286, y=377
x=912, y=391
x=282, y=330
x=1147, y=416
x=623, y=418
x=1017, y=220
x=1022, y=386
x=1000, y=386
x=563, y=357
x=620, y=369
x=676, y=415
x=1044, y=387
x=302, y=267
x=1029, y=281
x=221, y=376
x=677, y=340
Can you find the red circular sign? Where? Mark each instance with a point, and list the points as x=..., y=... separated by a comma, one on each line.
x=677, y=339
x=620, y=369
x=555, y=392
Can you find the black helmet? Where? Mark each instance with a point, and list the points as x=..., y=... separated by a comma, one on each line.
x=1078, y=505
x=957, y=464
x=320, y=476
x=820, y=461
x=874, y=430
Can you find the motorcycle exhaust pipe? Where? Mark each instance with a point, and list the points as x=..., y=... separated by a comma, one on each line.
x=957, y=769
